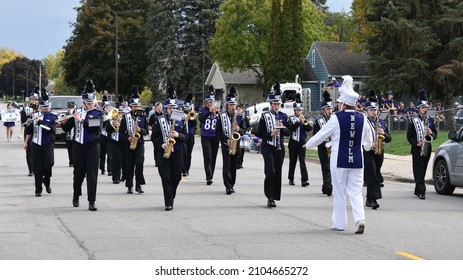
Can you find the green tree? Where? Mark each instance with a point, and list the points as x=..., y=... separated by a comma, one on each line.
x=178, y=32
x=21, y=75
x=276, y=45
x=243, y=36
x=344, y=25
x=90, y=52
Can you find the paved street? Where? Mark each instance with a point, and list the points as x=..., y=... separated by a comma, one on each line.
x=207, y=224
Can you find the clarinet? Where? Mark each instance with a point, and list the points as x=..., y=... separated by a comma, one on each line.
x=278, y=123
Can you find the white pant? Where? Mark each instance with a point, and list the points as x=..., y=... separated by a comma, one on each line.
x=347, y=181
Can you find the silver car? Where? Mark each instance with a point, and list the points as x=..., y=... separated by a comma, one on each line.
x=447, y=169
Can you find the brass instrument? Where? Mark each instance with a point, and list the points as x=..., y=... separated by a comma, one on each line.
x=192, y=114
x=170, y=142
x=303, y=120
x=379, y=139
x=115, y=119
x=235, y=137
x=427, y=139
x=135, y=135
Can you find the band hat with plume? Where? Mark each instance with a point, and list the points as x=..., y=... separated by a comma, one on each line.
x=346, y=90
x=275, y=95
x=372, y=100
x=326, y=102
x=104, y=101
x=422, y=99
x=297, y=105
x=135, y=98
x=89, y=93
x=44, y=99
x=210, y=96
x=232, y=98
x=187, y=102
x=119, y=104
x=35, y=93
x=171, y=101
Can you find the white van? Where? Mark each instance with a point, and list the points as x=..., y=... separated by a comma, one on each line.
x=255, y=111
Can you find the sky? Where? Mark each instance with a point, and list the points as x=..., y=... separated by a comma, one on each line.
x=37, y=28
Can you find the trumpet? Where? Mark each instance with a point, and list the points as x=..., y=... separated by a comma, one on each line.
x=303, y=120
x=192, y=114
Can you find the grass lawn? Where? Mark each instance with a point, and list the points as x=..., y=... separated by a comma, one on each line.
x=399, y=144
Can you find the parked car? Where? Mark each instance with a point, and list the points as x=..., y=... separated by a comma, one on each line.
x=60, y=105
x=448, y=164
x=458, y=119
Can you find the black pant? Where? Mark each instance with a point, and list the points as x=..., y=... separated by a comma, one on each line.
x=104, y=150
x=420, y=164
x=85, y=158
x=371, y=174
x=240, y=160
x=43, y=160
x=28, y=154
x=170, y=171
x=69, y=149
x=116, y=159
x=273, y=163
x=229, y=167
x=210, y=147
x=134, y=160
x=187, y=151
x=325, y=166
x=296, y=151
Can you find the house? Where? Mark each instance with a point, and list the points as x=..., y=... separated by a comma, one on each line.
x=331, y=59
x=246, y=83
x=324, y=61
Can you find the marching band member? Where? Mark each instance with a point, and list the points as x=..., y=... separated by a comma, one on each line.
x=420, y=133
x=26, y=120
x=191, y=122
x=105, y=152
x=132, y=130
x=41, y=134
x=324, y=149
x=86, y=123
x=169, y=134
x=271, y=129
x=116, y=146
x=229, y=129
x=299, y=126
x=374, y=158
x=244, y=138
x=209, y=141
x=348, y=130
x=158, y=112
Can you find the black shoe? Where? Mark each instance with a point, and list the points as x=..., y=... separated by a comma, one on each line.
x=30, y=174
x=116, y=181
x=381, y=185
x=130, y=190
x=229, y=191
x=75, y=201
x=422, y=196
x=232, y=190
x=92, y=206
x=102, y=172
x=169, y=207
x=184, y=174
x=271, y=203
x=327, y=190
x=38, y=194
x=239, y=166
x=368, y=203
x=48, y=189
x=305, y=184
x=291, y=182
x=374, y=205
x=110, y=173
x=122, y=179
x=209, y=182
x=138, y=189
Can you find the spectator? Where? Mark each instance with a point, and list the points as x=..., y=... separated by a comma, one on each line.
x=411, y=110
x=333, y=83
x=440, y=118
x=402, y=112
x=254, y=145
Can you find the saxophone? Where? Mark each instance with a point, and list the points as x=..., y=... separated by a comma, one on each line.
x=379, y=140
x=427, y=138
x=135, y=135
x=234, y=137
x=170, y=142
